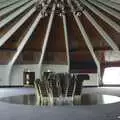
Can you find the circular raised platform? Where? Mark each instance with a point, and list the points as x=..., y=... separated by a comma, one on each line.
x=84, y=99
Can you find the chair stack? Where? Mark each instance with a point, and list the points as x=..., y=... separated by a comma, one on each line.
x=43, y=91
x=79, y=81
x=72, y=86
x=57, y=85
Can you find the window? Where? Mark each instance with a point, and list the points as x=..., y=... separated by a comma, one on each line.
x=111, y=76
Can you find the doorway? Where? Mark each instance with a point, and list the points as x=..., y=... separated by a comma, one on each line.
x=28, y=78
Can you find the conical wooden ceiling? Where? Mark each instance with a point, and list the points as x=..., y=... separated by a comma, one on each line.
x=80, y=31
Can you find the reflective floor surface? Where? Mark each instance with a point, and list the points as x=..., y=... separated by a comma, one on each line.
x=84, y=99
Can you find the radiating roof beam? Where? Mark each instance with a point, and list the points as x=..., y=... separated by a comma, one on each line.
x=8, y=3
x=12, y=7
x=22, y=44
x=66, y=38
x=106, y=9
x=115, y=1
x=102, y=16
x=16, y=26
x=15, y=14
x=2, y=1
x=27, y=36
x=110, y=4
x=25, y=39
x=46, y=39
x=85, y=36
x=106, y=37
x=86, y=39
x=101, y=31
x=66, y=41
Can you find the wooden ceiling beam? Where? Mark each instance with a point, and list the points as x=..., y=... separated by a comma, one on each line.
x=5, y=37
x=15, y=14
x=87, y=41
x=110, y=4
x=106, y=37
x=106, y=9
x=12, y=7
x=23, y=42
x=66, y=41
x=7, y=3
x=45, y=41
x=101, y=31
x=106, y=19
x=26, y=38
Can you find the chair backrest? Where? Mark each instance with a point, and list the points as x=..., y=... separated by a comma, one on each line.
x=72, y=86
x=79, y=82
x=64, y=84
x=36, y=84
x=55, y=83
x=43, y=88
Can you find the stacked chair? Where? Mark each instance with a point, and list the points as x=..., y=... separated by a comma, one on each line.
x=43, y=92
x=58, y=85
x=55, y=85
x=72, y=86
x=79, y=81
x=63, y=83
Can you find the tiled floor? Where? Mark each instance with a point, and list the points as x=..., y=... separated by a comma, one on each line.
x=84, y=99
x=89, y=96
x=89, y=112
x=4, y=92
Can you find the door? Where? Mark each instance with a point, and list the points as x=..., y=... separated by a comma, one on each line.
x=29, y=78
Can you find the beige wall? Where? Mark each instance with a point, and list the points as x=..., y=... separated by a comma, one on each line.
x=17, y=73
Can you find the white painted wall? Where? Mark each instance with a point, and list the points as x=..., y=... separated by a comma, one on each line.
x=93, y=80
x=17, y=73
x=112, y=56
x=3, y=75
x=55, y=68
